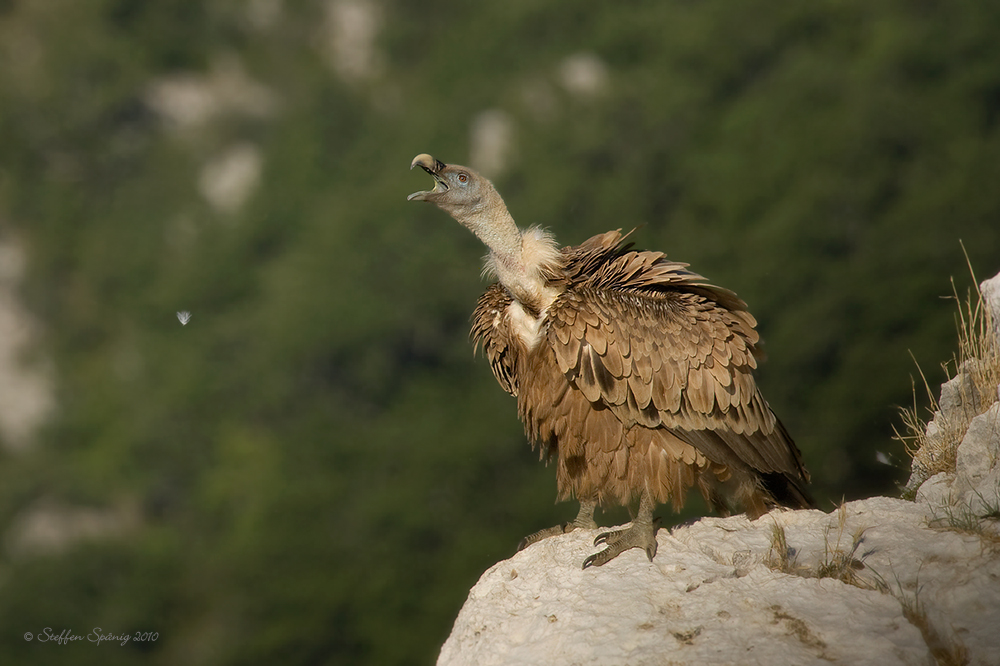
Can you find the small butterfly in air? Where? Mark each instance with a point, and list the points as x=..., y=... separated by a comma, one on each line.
x=183, y=317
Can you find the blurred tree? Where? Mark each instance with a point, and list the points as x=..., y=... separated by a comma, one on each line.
x=315, y=469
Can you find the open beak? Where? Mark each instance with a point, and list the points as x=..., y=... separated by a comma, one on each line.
x=433, y=167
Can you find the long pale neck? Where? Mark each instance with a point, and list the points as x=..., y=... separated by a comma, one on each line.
x=516, y=259
x=497, y=230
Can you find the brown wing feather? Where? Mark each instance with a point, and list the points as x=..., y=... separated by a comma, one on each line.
x=491, y=329
x=662, y=348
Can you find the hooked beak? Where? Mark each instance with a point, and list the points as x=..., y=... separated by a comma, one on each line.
x=433, y=167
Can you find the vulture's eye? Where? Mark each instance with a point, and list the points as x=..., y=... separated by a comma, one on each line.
x=463, y=177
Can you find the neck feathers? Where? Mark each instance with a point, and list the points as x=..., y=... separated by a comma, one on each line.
x=527, y=273
x=526, y=262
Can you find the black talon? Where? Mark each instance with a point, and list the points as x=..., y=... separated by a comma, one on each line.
x=584, y=520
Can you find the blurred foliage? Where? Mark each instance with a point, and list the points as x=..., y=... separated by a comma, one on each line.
x=319, y=467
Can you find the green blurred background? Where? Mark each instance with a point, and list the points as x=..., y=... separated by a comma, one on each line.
x=315, y=469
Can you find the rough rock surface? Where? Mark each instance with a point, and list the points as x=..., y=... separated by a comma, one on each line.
x=990, y=290
x=881, y=581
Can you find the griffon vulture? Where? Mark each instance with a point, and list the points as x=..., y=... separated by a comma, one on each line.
x=629, y=370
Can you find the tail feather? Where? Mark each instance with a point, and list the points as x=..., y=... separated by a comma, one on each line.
x=786, y=491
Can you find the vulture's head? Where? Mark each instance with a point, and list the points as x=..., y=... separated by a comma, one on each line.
x=458, y=190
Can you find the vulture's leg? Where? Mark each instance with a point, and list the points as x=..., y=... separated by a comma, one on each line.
x=640, y=534
x=584, y=520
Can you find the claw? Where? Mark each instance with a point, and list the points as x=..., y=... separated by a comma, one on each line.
x=601, y=558
x=544, y=534
x=641, y=534
x=651, y=548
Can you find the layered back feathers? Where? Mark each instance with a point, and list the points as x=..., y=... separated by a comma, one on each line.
x=643, y=382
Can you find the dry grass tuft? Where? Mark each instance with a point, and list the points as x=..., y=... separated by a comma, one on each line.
x=781, y=557
x=980, y=520
x=974, y=374
x=840, y=560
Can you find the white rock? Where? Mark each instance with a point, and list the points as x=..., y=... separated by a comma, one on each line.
x=491, y=141
x=190, y=100
x=979, y=450
x=48, y=527
x=584, y=74
x=984, y=500
x=228, y=180
x=936, y=491
x=694, y=605
x=959, y=392
x=990, y=289
x=350, y=39
x=27, y=398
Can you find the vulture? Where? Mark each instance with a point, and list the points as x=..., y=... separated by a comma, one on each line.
x=631, y=373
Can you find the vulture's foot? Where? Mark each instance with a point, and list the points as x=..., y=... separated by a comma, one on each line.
x=584, y=520
x=640, y=534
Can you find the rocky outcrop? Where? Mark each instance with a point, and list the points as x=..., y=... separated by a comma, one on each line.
x=879, y=581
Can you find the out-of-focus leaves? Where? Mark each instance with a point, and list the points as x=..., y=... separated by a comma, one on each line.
x=315, y=469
